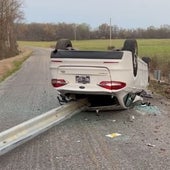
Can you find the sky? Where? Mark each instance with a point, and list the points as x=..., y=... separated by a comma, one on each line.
x=123, y=13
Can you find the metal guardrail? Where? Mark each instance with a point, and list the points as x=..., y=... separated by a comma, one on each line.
x=25, y=131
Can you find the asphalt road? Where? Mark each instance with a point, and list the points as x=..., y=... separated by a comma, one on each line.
x=81, y=143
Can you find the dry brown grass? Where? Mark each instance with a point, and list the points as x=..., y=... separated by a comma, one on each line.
x=10, y=65
x=161, y=88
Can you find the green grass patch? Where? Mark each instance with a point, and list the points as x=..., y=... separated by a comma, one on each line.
x=157, y=49
x=147, y=47
x=97, y=44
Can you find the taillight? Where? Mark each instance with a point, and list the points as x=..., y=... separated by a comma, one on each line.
x=58, y=82
x=112, y=85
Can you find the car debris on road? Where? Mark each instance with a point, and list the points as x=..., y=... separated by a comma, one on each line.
x=113, y=135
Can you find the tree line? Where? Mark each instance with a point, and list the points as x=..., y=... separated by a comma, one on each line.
x=52, y=32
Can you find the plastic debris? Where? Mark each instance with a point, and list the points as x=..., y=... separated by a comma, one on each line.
x=131, y=118
x=151, y=145
x=137, y=99
x=145, y=104
x=78, y=141
x=59, y=157
x=113, y=135
x=146, y=94
x=97, y=111
x=112, y=120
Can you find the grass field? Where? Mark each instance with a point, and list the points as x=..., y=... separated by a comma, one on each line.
x=147, y=47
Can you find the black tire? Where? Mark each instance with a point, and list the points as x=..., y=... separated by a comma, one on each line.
x=131, y=45
x=63, y=44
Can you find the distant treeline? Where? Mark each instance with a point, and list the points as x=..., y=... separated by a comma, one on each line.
x=52, y=32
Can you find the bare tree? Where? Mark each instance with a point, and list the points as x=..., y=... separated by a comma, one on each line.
x=9, y=14
x=104, y=30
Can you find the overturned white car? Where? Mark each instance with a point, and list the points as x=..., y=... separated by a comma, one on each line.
x=104, y=77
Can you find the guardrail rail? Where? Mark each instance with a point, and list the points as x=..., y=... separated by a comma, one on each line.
x=17, y=135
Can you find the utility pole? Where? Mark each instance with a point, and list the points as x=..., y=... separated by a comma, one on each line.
x=75, y=32
x=110, y=32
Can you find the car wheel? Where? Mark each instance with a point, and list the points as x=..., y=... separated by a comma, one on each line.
x=63, y=44
x=131, y=45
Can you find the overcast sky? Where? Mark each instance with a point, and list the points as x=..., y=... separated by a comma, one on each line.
x=123, y=13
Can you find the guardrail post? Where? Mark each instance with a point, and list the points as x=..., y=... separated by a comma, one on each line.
x=157, y=75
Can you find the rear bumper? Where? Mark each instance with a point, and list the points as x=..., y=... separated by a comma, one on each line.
x=119, y=95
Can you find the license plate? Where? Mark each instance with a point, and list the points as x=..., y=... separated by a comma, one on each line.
x=83, y=79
